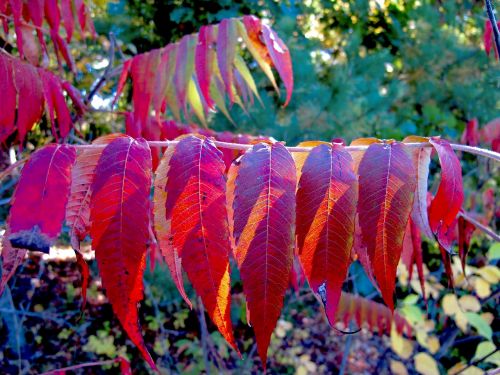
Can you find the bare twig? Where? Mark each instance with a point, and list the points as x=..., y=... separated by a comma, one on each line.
x=204, y=334
x=108, y=72
x=11, y=167
x=83, y=365
x=347, y=350
x=491, y=15
x=483, y=228
x=477, y=361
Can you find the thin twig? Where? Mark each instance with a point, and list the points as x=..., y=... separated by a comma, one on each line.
x=204, y=334
x=477, y=361
x=11, y=167
x=491, y=15
x=347, y=350
x=43, y=30
x=108, y=72
x=76, y=367
x=37, y=315
x=481, y=227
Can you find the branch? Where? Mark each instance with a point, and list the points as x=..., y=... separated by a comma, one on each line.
x=490, y=232
x=108, y=72
x=243, y=147
x=43, y=30
x=491, y=15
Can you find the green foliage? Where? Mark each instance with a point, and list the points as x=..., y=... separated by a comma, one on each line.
x=379, y=68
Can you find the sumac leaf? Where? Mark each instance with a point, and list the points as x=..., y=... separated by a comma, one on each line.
x=226, y=52
x=196, y=202
x=11, y=259
x=280, y=55
x=326, y=210
x=263, y=230
x=39, y=201
x=448, y=201
x=119, y=215
x=8, y=102
x=386, y=188
x=82, y=175
x=372, y=314
x=163, y=225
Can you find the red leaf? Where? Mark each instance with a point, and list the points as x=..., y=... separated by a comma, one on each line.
x=61, y=47
x=465, y=231
x=123, y=79
x=17, y=12
x=196, y=202
x=8, y=102
x=143, y=72
x=11, y=259
x=68, y=19
x=470, y=136
x=326, y=210
x=419, y=214
x=226, y=52
x=488, y=37
x=490, y=134
x=78, y=209
x=162, y=80
x=162, y=224
x=184, y=68
x=263, y=230
x=280, y=55
x=412, y=252
x=370, y=313
x=37, y=14
x=450, y=195
x=204, y=59
x=119, y=215
x=53, y=15
x=84, y=269
x=56, y=105
x=43, y=187
x=30, y=107
x=125, y=366
x=386, y=187
x=252, y=37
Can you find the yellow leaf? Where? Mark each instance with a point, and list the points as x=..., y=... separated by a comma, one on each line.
x=490, y=273
x=433, y=344
x=450, y=304
x=425, y=364
x=482, y=287
x=400, y=345
x=461, y=321
x=469, y=303
x=398, y=368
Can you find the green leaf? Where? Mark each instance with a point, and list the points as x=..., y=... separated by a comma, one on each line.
x=483, y=349
x=480, y=325
x=494, y=251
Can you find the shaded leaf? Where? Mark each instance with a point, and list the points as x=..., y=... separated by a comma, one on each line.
x=386, y=187
x=450, y=195
x=326, y=210
x=119, y=215
x=263, y=230
x=43, y=187
x=196, y=202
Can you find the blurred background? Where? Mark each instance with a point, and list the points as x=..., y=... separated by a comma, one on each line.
x=361, y=68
